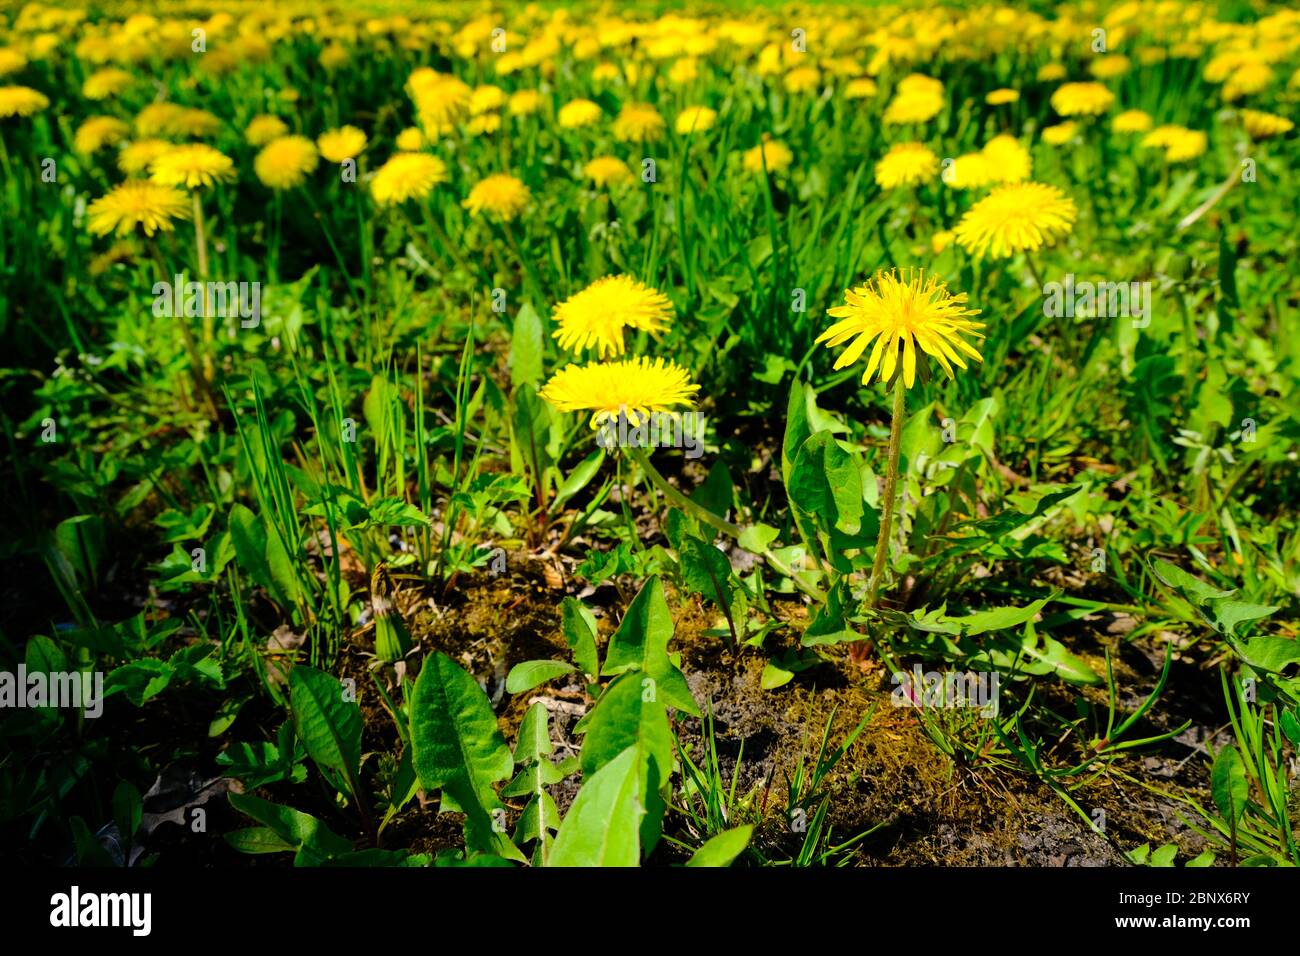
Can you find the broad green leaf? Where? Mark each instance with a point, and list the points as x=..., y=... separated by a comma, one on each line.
x=641, y=641
x=827, y=482
x=630, y=715
x=705, y=570
x=128, y=809
x=580, y=633
x=526, y=347
x=526, y=675
x=580, y=477
x=1228, y=783
x=603, y=826
x=722, y=849
x=328, y=725
x=458, y=748
x=299, y=830
x=256, y=840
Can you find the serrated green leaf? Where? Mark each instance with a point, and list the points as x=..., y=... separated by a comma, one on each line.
x=458, y=748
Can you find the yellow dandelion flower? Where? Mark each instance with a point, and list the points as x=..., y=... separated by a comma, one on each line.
x=136, y=157
x=193, y=166
x=409, y=140
x=773, y=154
x=502, y=195
x=695, y=119
x=21, y=101
x=286, y=162
x=137, y=202
x=632, y=388
x=900, y=311
x=920, y=106
x=1016, y=218
x=578, y=113
x=486, y=99
x=803, y=79
x=157, y=119
x=525, y=102
x=334, y=56
x=1261, y=125
x=941, y=240
x=1109, y=66
x=336, y=145
x=11, y=61
x=862, y=88
x=1001, y=97
x=1060, y=134
x=1082, y=99
x=263, y=129
x=440, y=99
x=604, y=170
x=1051, y=73
x=97, y=132
x=192, y=121
x=1131, y=121
x=1179, y=143
x=104, y=83
x=968, y=171
x=596, y=317
x=1006, y=159
x=906, y=164
x=638, y=123
x=684, y=71
x=407, y=176
x=483, y=125
x=1249, y=78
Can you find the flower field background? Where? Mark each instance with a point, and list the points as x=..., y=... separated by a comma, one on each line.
x=461, y=434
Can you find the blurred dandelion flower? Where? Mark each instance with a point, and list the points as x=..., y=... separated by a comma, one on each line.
x=1131, y=121
x=262, y=129
x=633, y=387
x=969, y=171
x=638, y=123
x=286, y=162
x=604, y=170
x=336, y=145
x=104, y=83
x=772, y=154
x=97, y=132
x=1060, y=134
x=407, y=176
x=1006, y=160
x=578, y=113
x=1016, y=218
x=596, y=317
x=695, y=119
x=21, y=101
x=1001, y=97
x=1082, y=99
x=136, y=157
x=1261, y=125
x=525, y=102
x=906, y=164
x=900, y=311
x=409, y=140
x=500, y=194
x=137, y=202
x=193, y=166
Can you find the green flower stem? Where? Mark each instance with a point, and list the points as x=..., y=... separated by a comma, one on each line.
x=676, y=497
x=891, y=487
x=713, y=521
